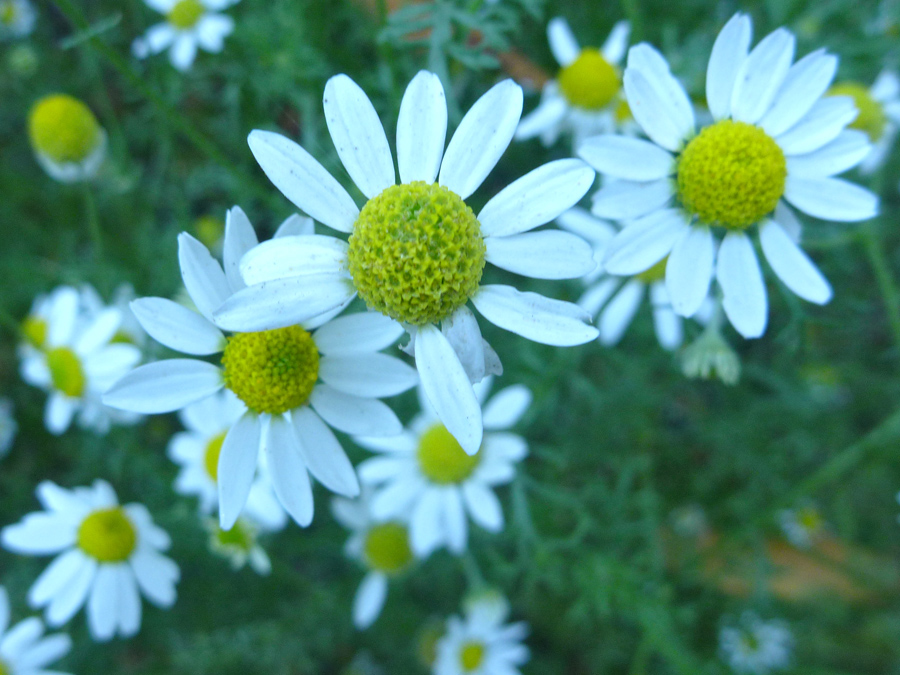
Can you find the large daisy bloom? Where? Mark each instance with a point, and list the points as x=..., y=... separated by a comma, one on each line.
x=879, y=114
x=585, y=98
x=755, y=646
x=293, y=382
x=67, y=140
x=416, y=251
x=24, y=650
x=17, y=18
x=189, y=24
x=774, y=139
x=425, y=472
x=107, y=557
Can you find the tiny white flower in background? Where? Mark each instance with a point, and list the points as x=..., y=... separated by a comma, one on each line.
x=67, y=140
x=755, y=646
x=24, y=649
x=416, y=250
x=8, y=426
x=879, y=115
x=108, y=556
x=802, y=526
x=776, y=138
x=585, y=98
x=294, y=383
x=239, y=545
x=17, y=19
x=425, y=473
x=189, y=24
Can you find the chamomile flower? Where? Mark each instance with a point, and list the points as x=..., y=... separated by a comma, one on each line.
x=295, y=381
x=416, y=250
x=879, y=115
x=755, y=646
x=24, y=650
x=802, y=526
x=67, y=140
x=17, y=19
x=774, y=139
x=585, y=98
x=189, y=24
x=425, y=472
x=239, y=545
x=108, y=556
x=8, y=426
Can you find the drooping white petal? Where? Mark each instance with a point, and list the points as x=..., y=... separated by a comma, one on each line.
x=617, y=316
x=211, y=31
x=743, y=290
x=129, y=603
x=59, y=412
x=616, y=44
x=421, y=128
x=562, y=41
x=357, y=333
x=689, y=270
x=177, y=327
x=354, y=414
x=792, y=265
x=548, y=254
x=183, y=51
x=644, y=242
x=761, y=75
x=831, y=199
x=371, y=375
x=294, y=256
x=457, y=527
x=102, y=607
x=728, y=55
x=158, y=37
x=323, y=454
x=806, y=82
x=164, y=386
x=506, y=407
x=822, y=124
x=629, y=158
x=295, y=226
x=785, y=216
x=427, y=529
x=843, y=153
x=547, y=115
x=240, y=237
x=288, y=471
x=237, y=467
x=667, y=324
x=202, y=275
x=369, y=599
x=156, y=576
x=483, y=506
x=70, y=599
x=596, y=296
x=464, y=335
x=626, y=200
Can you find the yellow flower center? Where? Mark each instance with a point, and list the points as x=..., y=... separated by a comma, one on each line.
x=387, y=548
x=271, y=371
x=34, y=330
x=63, y=128
x=590, y=81
x=3, y=669
x=809, y=519
x=65, y=371
x=210, y=230
x=471, y=655
x=211, y=457
x=871, y=118
x=441, y=458
x=416, y=253
x=120, y=337
x=623, y=111
x=8, y=15
x=655, y=273
x=731, y=174
x=749, y=643
x=185, y=14
x=238, y=537
x=107, y=535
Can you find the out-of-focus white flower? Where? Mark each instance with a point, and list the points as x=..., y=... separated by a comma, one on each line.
x=8, y=426
x=67, y=140
x=17, y=19
x=879, y=115
x=239, y=545
x=755, y=646
x=802, y=526
x=24, y=650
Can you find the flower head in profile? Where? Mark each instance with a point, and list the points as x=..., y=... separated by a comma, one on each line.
x=17, y=19
x=803, y=526
x=586, y=97
x=690, y=198
x=416, y=250
x=879, y=114
x=755, y=646
x=294, y=381
x=24, y=649
x=239, y=545
x=67, y=140
x=107, y=556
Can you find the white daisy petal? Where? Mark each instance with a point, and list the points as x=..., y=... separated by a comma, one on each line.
x=455, y=519
x=806, y=82
x=177, y=327
x=596, y=296
x=822, y=124
x=426, y=526
x=761, y=75
x=288, y=471
x=421, y=128
x=629, y=158
x=357, y=333
x=667, y=324
x=792, y=265
x=65, y=314
x=644, y=242
x=303, y=180
x=164, y=386
x=580, y=222
x=371, y=375
x=464, y=335
x=58, y=413
x=129, y=603
x=156, y=576
x=831, y=199
x=617, y=316
x=102, y=607
x=398, y=498
x=62, y=501
x=202, y=275
x=483, y=506
x=237, y=467
x=548, y=254
x=20, y=639
x=843, y=153
x=369, y=599
x=212, y=30
x=728, y=55
x=689, y=270
x=625, y=199
x=56, y=577
x=785, y=216
x=240, y=237
x=69, y=600
x=50, y=649
x=183, y=51
x=105, y=366
x=294, y=256
x=323, y=454
x=562, y=41
x=743, y=290
x=382, y=469
x=100, y=331
x=616, y=44
x=506, y=407
x=353, y=414
x=550, y=112
x=39, y=534
x=295, y=226
x=159, y=37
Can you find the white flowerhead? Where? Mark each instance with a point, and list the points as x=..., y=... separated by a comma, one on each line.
x=106, y=556
x=424, y=472
x=24, y=649
x=294, y=381
x=774, y=140
x=879, y=115
x=67, y=140
x=239, y=545
x=416, y=250
x=189, y=24
x=8, y=426
x=17, y=19
x=803, y=525
x=755, y=646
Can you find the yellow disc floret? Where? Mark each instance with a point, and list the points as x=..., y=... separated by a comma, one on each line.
x=65, y=371
x=590, y=81
x=416, y=253
x=471, y=655
x=107, y=535
x=871, y=117
x=441, y=458
x=655, y=273
x=387, y=548
x=271, y=371
x=211, y=456
x=34, y=330
x=185, y=14
x=210, y=230
x=240, y=537
x=63, y=128
x=731, y=174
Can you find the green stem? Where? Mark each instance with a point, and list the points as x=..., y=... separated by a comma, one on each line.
x=90, y=208
x=474, y=577
x=875, y=250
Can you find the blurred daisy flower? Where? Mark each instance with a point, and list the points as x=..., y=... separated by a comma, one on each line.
x=23, y=648
x=755, y=646
x=108, y=556
x=8, y=426
x=774, y=139
x=189, y=24
x=416, y=250
x=239, y=545
x=295, y=381
x=67, y=140
x=585, y=98
x=879, y=114
x=17, y=19
x=802, y=526
x=425, y=473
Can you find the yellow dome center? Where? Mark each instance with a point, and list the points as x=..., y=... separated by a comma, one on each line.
x=387, y=548
x=3, y=669
x=590, y=81
x=107, y=535
x=211, y=456
x=34, y=330
x=185, y=14
x=731, y=174
x=809, y=519
x=8, y=15
x=239, y=537
x=471, y=655
x=871, y=117
x=655, y=273
x=441, y=458
x=416, y=253
x=63, y=128
x=65, y=371
x=210, y=230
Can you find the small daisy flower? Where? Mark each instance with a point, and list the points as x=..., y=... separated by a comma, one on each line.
x=23, y=648
x=17, y=19
x=416, y=250
x=239, y=545
x=425, y=472
x=756, y=646
x=8, y=426
x=879, y=115
x=774, y=139
x=382, y=546
x=802, y=526
x=585, y=98
x=189, y=24
x=108, y=556
x=295, y=381
x=67, y=140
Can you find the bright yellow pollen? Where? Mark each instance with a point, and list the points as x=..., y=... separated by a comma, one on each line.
x=655, y=273
x=239, y=536
x=416, y=253
x=590, y=81
x=471, y=655
x=809, y=519
x=441, y=458
x=63, y=128
x=107, y=536
x=731, y=174
x=211, y=457
x=871, y=117
x=271, y=371
x=185, y=14
x=210, y=230
x=34, y=330
x=623, y=111
x=65, y=371
x=387, y=548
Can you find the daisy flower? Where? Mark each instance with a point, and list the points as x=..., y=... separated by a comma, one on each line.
x=756, y=646
x=8, y=426
x=382, y=546
x=416, y=251
x=239, y=545
x=23, y=648
x=17, y=19
x=293, y=382
x=67, y=140
x=774, y=139
x=108, y=556
x=585, y=98
x=879, y=115
x=802, y=526
x=189, y=24
x=424, y=472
